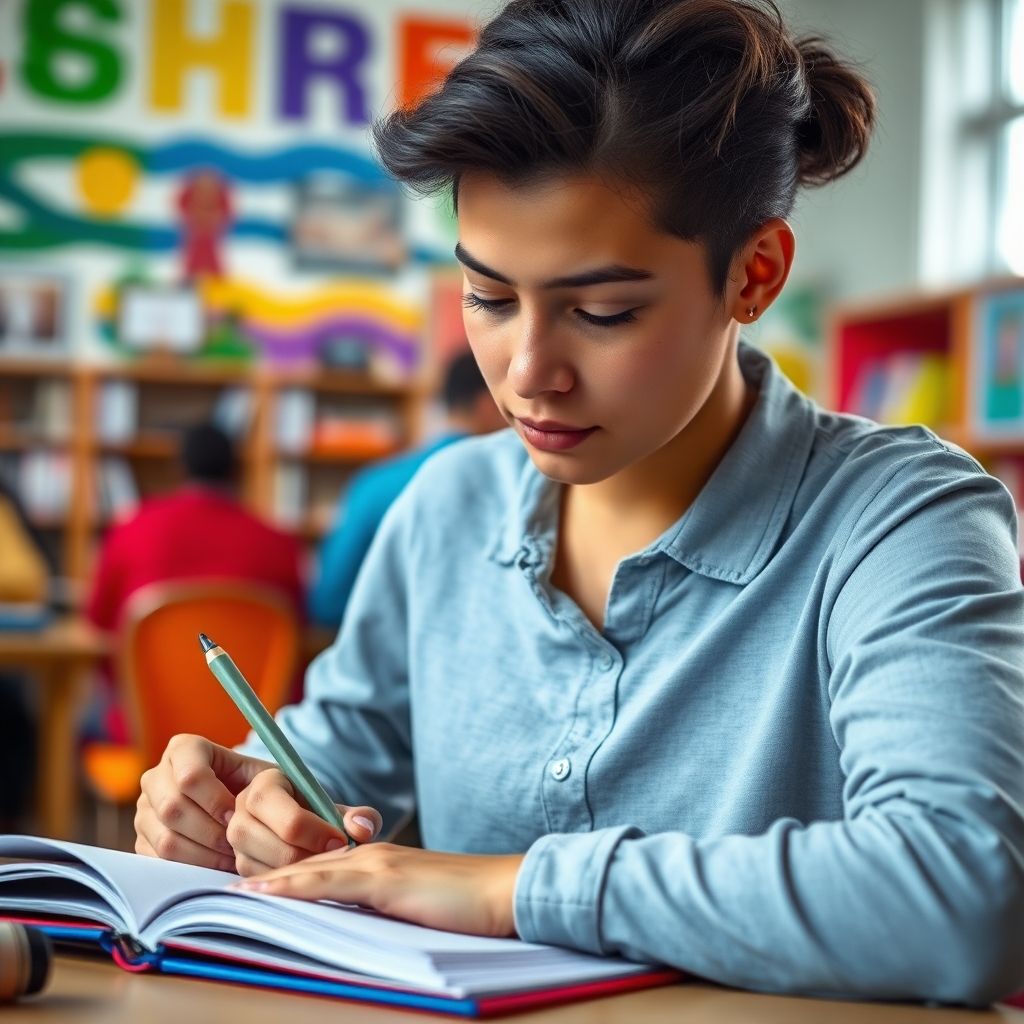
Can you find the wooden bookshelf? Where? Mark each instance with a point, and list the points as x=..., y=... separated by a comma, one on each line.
x=77, y=427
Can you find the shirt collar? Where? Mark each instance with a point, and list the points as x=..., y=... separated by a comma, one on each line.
x=732, y=528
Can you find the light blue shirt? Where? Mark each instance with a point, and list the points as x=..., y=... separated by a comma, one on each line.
x=794, y=758
x=360, y=511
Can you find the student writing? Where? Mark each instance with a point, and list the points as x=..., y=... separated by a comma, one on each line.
x=681, y=666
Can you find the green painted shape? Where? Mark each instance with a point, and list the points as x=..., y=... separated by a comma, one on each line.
x=45, y=39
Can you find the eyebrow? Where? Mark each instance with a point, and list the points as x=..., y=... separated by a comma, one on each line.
x=599, y=275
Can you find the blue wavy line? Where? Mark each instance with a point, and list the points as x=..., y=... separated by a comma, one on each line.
x=288, y=164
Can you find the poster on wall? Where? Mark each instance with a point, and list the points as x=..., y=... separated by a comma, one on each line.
x=33, y=313
x=998, y=370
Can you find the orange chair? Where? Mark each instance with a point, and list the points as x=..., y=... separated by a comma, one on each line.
x=166, y=686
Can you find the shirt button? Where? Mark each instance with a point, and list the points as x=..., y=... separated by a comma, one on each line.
x=560, y=769
x=607, y=661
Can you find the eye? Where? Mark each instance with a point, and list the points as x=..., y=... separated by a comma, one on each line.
x=473, y=301
x=498, y=306
x=627, y=316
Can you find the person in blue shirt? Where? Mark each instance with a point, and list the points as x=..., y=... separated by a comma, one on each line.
x=469, y=410
x=684, y=667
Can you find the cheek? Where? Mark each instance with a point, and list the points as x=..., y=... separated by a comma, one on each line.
x=486, y=345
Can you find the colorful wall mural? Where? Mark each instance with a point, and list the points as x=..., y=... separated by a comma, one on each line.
x=221, y=145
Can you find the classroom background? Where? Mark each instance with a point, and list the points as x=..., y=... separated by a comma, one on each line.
x=193, y=230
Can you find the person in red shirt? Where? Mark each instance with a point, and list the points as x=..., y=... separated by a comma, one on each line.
x=201, y=530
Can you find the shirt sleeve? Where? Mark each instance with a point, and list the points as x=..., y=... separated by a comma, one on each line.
x=352, y=726
x=344, y=550
x=918, y=892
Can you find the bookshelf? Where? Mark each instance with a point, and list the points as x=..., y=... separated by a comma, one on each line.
x=81, y=444
x=953, y=360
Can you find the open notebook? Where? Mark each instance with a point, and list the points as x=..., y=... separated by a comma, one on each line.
x=178, y=919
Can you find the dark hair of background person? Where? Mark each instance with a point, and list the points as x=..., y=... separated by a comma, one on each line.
x=463, y=382
x=208, y=455
x=712, y=108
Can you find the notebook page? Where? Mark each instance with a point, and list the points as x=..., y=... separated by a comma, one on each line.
x=145, y=884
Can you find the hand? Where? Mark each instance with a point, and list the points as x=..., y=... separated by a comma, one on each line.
x=270, y=828
x=454, y=891
x=187, y=800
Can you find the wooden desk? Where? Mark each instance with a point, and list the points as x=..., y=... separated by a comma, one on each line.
x=82, y=991
x=61, y=657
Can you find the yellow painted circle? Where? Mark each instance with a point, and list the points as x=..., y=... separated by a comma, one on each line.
x=106, y=180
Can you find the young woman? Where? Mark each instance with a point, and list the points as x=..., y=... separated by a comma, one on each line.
x=681, y=666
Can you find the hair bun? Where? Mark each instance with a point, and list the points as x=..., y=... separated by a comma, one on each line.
x=833, y=137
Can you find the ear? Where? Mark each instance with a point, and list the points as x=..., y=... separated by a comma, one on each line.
x=761, y=269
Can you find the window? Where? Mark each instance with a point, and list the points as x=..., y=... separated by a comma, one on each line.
x=972, y=212
x=1009, y=233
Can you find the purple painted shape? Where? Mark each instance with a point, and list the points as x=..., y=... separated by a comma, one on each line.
x=303, y=344
x=300, y=64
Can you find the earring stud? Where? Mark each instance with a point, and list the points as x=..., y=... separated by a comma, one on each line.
x=752, y=312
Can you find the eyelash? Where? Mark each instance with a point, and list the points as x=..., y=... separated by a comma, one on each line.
x=497, y=306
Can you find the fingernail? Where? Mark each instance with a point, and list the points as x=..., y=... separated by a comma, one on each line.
x=364, y=823
x=335, y=844
x=248, y=884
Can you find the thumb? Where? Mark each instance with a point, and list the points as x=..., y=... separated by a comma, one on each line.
x=361, y=823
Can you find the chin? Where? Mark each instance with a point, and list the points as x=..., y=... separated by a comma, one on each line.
x=567, y=469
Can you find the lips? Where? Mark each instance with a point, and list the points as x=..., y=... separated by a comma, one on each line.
x=551, y=436
x=551, y=426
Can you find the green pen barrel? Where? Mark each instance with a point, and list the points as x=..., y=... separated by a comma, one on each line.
x=243, y=695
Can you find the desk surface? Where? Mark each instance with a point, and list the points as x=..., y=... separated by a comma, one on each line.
x=68, y=636
x=83, y=991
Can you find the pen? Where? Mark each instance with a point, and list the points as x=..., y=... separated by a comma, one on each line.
x=238, y=689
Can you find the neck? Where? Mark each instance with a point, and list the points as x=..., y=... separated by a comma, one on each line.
x=653, y=493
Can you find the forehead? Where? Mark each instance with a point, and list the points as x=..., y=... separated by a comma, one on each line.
x=552, y=226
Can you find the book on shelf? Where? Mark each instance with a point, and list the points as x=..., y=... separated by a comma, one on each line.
x=291, y=485
x=233, y=412
x=154, y=915
x=116, y=489
x=296, y=408
x=44, y=483
x=117, y=411
x=51, y=410
x=904, y=388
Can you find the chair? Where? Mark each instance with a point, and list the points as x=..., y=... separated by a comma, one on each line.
x=166, y=686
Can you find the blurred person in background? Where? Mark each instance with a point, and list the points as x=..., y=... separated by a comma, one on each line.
x=200, y=531
x=24, y=580
x=469, y=410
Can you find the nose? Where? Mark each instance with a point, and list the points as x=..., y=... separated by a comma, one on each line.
x=537, y=365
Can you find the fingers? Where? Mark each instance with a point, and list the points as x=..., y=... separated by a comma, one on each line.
x=362, y=823
x=154, y=839
x=271, y=828
x=191, y=760
x=334, y=876
x=184, y=805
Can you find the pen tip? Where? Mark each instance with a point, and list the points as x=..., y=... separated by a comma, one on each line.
x=206, y=643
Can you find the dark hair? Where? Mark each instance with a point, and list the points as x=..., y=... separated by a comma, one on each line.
x=711, y=107
x=463, y=382
x=208, y=454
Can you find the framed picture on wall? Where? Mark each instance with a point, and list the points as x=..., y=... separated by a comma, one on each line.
x=342, y=224
x=160, y=318
x=998, y=365
x=34, y=312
